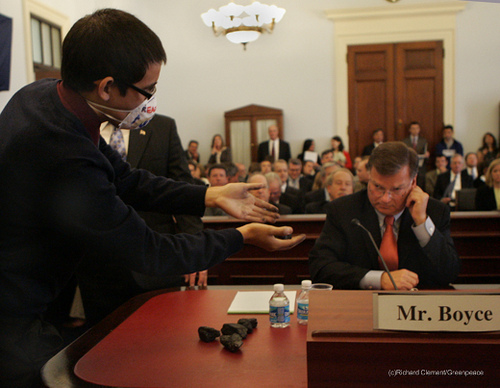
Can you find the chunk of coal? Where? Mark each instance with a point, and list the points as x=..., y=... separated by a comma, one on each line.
x=208, y=334
x=231, y=328
x=246, y=322
x=252, y=321
x=231, y=342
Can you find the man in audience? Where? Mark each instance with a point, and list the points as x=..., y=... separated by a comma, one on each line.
x=412, y=230
x=296, y=179
x=448, y=146
x=266, y=166
x=232, y=173
x=242, y=172
x=338, y=184
x=274, y=185
x=362, y=176
x=431, y=176
x=450, y=182
x=321, y=194
x=264, y=193
x=217, y=176
x=192, y=151
x=419, y=144
x=471, y=165
x=378, y=138
x=308, y=169
x=274, y=147
x=326, y=156
x=290, y=196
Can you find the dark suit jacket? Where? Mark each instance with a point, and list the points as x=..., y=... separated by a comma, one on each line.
x=188, y=156
x=318, y=207
x=225, y=157
x=368, y=149
x=485, y=198
x=294, y=199
x=264, y=151
x=315, y=196
x=421, y=144
x=444, y=179
x=343, y=253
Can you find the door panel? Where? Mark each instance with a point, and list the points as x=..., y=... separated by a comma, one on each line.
x=391, y=85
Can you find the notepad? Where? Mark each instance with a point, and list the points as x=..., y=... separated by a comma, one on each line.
x=256, y=302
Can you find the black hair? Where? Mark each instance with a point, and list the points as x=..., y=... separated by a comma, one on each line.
x=109, y=42
x=341, y=145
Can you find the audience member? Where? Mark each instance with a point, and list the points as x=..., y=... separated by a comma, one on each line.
x=318, y=192
x=471, y=165
x=274, y=147
x=450, y=182
x=219, y=152
x=488, y=151
x=217, y=176
x=357, y=159
x=309, y=153
x=195, y=170
x=362, y=176
x=340, y=155
x=274, y=185
x=419, y=144
x=448, y=146
x=266, y=166
x=255, y=167
x=423, y=253
x=308, y=169
x=378, y=138
x=232, y=173
x=242, y=172
x=488, y=195
x=192, y=151
x=327, y=157
x=296, y=179
x=338, y=184
x=431, y=176
x=290, y=196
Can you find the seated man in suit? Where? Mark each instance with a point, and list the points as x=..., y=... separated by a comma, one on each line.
x=192, y=151
x=416, y=242
x=274, y=190
x=362, y=175
x=450, y=182
x=290, y=196
x=431, y=176
x=217, y=176
x=274, y=147
x=378, y=138
x=448, y=146
x=296, y=179
x=320, y=193
x=338, y=184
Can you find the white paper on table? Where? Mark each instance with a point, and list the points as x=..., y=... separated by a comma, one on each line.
x=256, y=302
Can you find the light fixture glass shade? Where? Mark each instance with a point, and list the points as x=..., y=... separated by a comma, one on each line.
x=242, y=36
x=243, y=24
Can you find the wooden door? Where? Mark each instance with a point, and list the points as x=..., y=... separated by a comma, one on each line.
x=391, y=85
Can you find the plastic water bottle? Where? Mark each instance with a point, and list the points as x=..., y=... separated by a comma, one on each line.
x=303, y=303
x=279, y=307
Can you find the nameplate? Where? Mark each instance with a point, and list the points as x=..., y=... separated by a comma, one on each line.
x=416, y=311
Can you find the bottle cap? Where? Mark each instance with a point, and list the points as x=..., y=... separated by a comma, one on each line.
x=279, y=287
x=306, y=284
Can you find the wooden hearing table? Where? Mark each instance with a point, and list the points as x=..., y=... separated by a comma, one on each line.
x=152, y=341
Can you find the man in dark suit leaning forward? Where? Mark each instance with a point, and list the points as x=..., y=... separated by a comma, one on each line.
x=424, y=253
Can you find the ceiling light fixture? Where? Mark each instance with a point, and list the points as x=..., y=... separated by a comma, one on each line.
x=243, y=24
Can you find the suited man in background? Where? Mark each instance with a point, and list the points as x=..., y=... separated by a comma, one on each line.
x=156, y=148
x=418, y=238
x=274, y=147
x=419, y=144
x=378, y=138
x=448, y=183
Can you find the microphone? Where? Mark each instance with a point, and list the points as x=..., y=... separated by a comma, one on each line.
x=356, y=222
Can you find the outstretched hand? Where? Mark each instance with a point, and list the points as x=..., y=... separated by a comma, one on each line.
x=235, y=200
x=267, y=236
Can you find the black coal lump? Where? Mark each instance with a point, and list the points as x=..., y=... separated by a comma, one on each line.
x=231, y=342
x=231, y=328
x=208, y=334
x=248, y=324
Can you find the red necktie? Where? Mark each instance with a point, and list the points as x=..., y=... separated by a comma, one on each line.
x=389, y=246
x=414, y=143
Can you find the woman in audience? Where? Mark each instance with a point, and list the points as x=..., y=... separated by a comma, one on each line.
x=340, y=156
x=309, y=146
x=220, y=153
x=488, y=150
x=488, y=195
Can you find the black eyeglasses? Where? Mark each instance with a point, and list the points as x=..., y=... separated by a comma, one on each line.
x=146, y=94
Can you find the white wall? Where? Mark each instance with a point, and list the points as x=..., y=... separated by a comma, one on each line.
x=291, y=69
